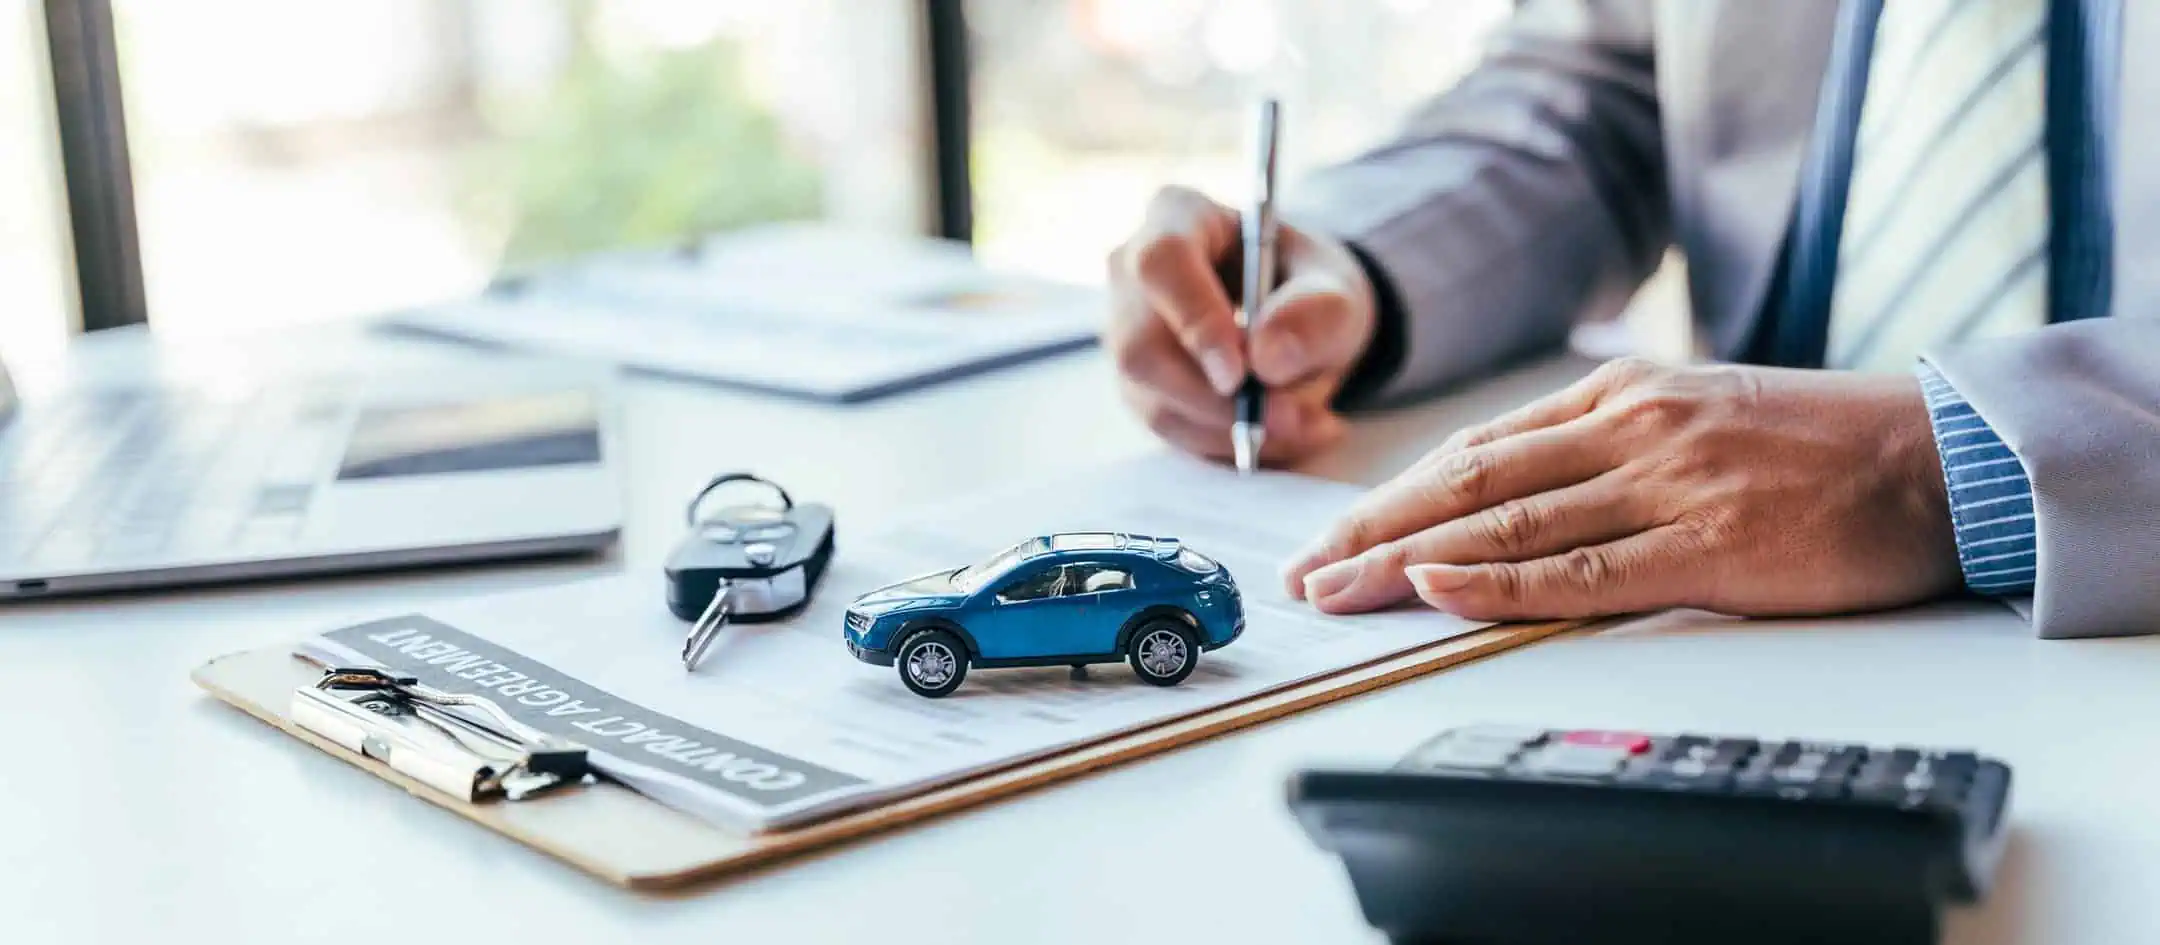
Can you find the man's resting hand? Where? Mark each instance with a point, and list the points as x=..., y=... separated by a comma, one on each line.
x=1737, y=489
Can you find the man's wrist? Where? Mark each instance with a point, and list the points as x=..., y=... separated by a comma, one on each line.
x=1911, y=450
x=1385, y=350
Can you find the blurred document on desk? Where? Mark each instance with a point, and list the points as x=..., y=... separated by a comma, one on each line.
x=797, y=308
x=782, y=726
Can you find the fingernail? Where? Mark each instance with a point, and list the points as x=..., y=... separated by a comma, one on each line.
x=1293, y=576
x=1438, y=578
x=1221, y=370
x=1331, y=580
x=1307, y=559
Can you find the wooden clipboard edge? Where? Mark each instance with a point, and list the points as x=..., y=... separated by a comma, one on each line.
x=761, y=850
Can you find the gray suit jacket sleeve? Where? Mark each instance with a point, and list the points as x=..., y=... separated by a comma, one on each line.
x=2079, y=404
x=1527, y=197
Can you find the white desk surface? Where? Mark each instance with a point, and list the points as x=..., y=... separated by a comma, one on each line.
x=133, y=808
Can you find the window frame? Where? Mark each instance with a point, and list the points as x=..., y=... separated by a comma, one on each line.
x=84, y=57
x=100, y=182
x=1056, y=591
x=1088, y=569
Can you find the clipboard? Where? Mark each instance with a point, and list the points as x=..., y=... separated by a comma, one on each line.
x=621, y=837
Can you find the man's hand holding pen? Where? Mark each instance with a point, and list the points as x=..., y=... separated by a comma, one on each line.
x=1174, y=334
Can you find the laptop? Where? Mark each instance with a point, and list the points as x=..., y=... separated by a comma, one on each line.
x=162, y=484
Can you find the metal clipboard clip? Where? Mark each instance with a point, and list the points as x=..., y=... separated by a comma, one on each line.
x=411, y=728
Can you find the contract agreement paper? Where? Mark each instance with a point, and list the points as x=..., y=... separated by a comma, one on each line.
x=782, y=726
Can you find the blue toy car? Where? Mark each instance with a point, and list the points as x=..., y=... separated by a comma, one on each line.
x=1058, y=600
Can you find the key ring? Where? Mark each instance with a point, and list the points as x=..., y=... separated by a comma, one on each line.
x=690, y=514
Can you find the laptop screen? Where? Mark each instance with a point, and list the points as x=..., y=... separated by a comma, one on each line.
x=518, y=432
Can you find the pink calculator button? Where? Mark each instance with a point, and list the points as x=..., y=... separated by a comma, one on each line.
x=1631, y=742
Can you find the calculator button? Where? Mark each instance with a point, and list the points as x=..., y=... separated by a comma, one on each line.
x=1841, y=764
x=1682, y=744
x=1693, y=763
x=1517, y=735
x=1632, y=742
x=1725, y=750
x=1775, y=755
x=1566, y=760
x=1800, y=770
x=1891, y=765
x=1771, y=755
x=1957, y=766
x=1464, y=755
x=1715, y=755
x=1913, y=780
x=1882, y=776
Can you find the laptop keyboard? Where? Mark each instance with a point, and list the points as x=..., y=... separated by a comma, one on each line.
x=113, y=478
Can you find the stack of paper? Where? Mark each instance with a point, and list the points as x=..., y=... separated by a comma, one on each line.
x=799, y=309
x=782, y=726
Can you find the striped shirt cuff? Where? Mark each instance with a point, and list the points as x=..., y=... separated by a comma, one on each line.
x=1991, y=498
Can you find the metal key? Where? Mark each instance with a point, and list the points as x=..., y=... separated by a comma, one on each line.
x=745, y=563
x=707, y=628
x=715, y=618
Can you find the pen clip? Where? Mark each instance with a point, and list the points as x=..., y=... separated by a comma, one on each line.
x=415, y=730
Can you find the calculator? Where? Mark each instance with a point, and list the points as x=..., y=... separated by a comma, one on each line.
x=1509, y=835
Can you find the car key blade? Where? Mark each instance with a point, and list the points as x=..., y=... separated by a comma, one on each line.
x=706, y=628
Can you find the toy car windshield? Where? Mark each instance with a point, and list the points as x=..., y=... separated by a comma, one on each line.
x=969, y=579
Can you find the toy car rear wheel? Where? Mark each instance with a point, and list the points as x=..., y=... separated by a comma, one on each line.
x=932, y=662
x=1163, y=651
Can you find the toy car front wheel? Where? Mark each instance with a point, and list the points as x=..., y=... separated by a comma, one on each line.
x=932, y=662
x=1163, y=651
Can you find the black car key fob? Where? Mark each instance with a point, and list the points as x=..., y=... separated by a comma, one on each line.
x=752, y=560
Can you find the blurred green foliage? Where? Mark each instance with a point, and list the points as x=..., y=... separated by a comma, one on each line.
x=642, y=153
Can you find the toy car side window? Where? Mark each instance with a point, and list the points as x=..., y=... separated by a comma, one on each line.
x=1049, y=582
x=1097, y=578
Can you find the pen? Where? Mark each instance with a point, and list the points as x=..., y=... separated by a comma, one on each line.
x=1249, y=430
